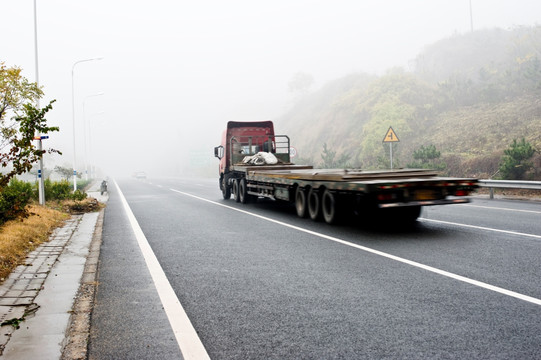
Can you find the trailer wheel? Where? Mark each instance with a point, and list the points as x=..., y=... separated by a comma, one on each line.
x=300, y=203
x=408, y=215
x=226, y=190
x=328, y=207
x=243, y=195
x=314, y=205
x=236, y=190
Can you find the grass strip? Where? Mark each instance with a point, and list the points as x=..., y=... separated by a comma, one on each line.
x=21, y=236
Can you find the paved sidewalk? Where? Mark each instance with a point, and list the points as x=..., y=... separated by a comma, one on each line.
x=44, y=296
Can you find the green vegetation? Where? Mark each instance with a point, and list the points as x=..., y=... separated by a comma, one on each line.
x=15, y=197
x=468, y=97
x=516, y=162
x=20, y=120
x=13, y=200
x=329, y=162
x=65, y=172
x=427, y=157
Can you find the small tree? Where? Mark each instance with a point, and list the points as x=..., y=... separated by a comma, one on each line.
x=20, y=120
x=328, y=156
x=426, y=157
x=65, y=172
x=22, y=152
x=515, y=162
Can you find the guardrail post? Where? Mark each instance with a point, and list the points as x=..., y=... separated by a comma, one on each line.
x=491, y=193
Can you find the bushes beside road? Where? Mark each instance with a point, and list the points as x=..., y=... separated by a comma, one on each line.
x=15, y=197
x=24, y=225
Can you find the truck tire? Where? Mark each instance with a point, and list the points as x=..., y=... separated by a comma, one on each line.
x=300, y=203
x=226, y=190
x=314, y=205
x=243, y=195
x=329, y=207
x=236, y=190
x=408, y=215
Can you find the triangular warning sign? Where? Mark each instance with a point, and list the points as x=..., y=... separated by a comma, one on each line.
x=390, y=136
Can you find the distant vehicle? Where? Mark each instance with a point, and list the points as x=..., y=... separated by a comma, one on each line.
x=140, y=175
x=254, y=162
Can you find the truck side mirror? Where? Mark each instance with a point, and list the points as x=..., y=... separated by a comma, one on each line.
x=219, y=152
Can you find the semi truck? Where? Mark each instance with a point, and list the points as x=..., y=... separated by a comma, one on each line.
x=256, y=163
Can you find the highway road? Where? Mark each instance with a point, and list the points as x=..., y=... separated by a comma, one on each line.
x=184, y=273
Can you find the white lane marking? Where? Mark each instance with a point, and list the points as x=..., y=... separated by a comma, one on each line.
x=381, y=253
x=188, y=341
x=482, y=228
x=499, y=208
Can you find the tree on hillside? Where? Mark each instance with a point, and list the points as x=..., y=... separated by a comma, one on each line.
x=327, y=156
x=426, y=157
x=20, y=120
x=329, y=162
x=516, y=162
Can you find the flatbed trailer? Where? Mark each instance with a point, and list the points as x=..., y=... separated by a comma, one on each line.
x=329, y=194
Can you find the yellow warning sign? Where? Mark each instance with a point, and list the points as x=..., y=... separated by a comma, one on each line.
x=390, y=136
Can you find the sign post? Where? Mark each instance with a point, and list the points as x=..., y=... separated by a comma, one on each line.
x=41, y=186
x=390, y=138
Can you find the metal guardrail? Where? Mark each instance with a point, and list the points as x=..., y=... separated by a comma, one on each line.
x=509, y=184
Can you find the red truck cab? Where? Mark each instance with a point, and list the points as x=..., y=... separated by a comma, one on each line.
x=241, y=139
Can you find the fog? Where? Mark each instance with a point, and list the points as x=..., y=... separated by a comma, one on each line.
x=173, y=73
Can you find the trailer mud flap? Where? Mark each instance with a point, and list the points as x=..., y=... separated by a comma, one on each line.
x=424, y=203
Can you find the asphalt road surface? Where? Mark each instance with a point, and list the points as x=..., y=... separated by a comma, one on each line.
x=257, y=282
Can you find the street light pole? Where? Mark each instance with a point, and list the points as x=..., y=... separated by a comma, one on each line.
x=92, y=158
x=41, y=187
x=73, y=117
x=471, y=18
x=84, y=132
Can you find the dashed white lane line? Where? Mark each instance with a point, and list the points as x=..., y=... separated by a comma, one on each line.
x=500, y=208
x=380, y=253
x=188, y=341
x=482, y=228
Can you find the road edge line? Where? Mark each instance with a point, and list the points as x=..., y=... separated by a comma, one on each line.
x=188, y=341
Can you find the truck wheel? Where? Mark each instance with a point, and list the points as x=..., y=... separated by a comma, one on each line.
x=226, y=190
x=328, y=207
x=408, y=215
x=300, y=203
x=243, y=195
x=236, y=190
x=314, y=205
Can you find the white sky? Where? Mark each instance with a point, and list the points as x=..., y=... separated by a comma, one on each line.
x=174, y=72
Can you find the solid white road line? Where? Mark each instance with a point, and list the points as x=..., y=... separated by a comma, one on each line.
x=380, y=253
x=187, y=338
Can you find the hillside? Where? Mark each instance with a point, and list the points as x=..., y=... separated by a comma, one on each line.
x=469, y=95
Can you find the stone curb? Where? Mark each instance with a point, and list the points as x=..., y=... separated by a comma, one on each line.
x=75, y=345
x=19, y=290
